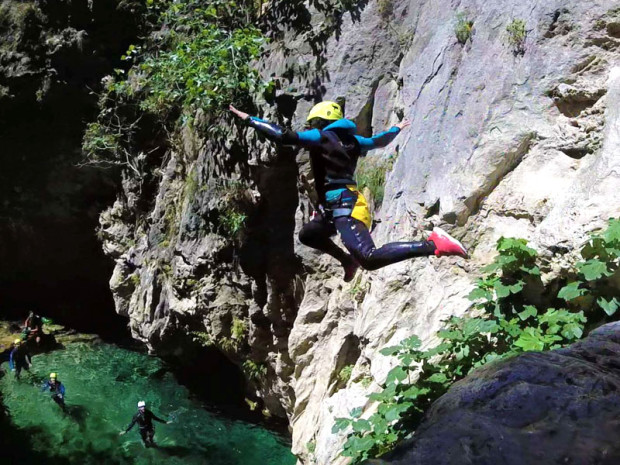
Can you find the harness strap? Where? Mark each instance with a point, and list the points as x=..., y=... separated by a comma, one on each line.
x=339, y=212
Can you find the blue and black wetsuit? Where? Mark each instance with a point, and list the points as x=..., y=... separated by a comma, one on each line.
x=58, y=392
x=334, y=152
x=19, y=359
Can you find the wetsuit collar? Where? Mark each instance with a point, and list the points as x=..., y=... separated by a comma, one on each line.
x=342, y=124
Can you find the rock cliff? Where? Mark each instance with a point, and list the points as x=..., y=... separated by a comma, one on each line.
x=511, y=135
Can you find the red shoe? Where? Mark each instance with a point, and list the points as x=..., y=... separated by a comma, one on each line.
x=446, y=244
x=350, y=270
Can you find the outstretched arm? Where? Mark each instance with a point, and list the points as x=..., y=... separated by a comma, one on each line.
x=156, y=418
x=382, y=139
x=133, y=422
x=278, y=134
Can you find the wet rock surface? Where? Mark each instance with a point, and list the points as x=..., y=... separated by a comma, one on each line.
x=538, y=408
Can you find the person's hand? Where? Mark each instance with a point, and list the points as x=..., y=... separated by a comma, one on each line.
x=403, y=124
x=239, y=113
x=121, y=433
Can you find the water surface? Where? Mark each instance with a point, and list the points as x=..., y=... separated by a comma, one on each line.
x=104, y=384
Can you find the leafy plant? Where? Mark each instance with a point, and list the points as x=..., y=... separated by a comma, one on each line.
x=595, y=286
x=233, y=221
x=345, y=374
x=239, y=329
x=371, y=173
x=198, y=60
x=509, y=322
x=359, y=288
x=254, y=370
x=203, y=338
x=463, y=28
x=516, y=35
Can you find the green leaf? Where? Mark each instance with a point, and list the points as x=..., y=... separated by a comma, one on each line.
x=530, y=340
x=437, y=378
x=612, y=233
x=340, y=424
x=571, y=291
x=392, y=350
x=361, y=426
x=572, y=331
x=394, y=412
x=412, y=342
x=529, y=311
x=478, y=294
x=609, y=306
x=593, y=269
x=397, y=373
x=501, y=291
x=356, y=412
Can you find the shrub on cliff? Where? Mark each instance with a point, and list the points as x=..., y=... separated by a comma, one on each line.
x=512, y=317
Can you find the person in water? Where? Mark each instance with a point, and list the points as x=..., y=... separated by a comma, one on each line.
x=19, y=358
x=57, y=389
x=334, y=150
x=145, y=418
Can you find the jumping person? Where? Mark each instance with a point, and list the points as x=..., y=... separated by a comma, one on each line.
x=145, y=418
x=19, y=358
x=334, y=150
x=57, y=389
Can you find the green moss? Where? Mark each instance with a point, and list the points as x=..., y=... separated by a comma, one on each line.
x=385, y=8
x=463, y=28
x=366, y=381
x=135, y=279
x=345, y=374
x=516, y=35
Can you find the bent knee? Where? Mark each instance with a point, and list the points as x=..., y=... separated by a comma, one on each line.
x=366, y=261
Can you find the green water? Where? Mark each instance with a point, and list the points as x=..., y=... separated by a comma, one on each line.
x=104, y=384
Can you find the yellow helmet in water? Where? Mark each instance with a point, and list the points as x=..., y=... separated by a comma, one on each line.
x=17, y=342
x=326, y=110
x=53, y=376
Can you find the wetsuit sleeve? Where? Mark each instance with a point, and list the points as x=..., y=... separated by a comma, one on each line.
x=133, y=422
x=156, y=418
x=277, y=134
x=378, y=141
x=11, y=361
x=46, y=386
x=61, y=389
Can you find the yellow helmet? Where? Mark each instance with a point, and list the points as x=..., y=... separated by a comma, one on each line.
x=17, y=342
x=53, y=376
x=326, y=110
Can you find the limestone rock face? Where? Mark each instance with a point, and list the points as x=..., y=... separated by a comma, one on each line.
x=510, y=136
x=552, y=407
